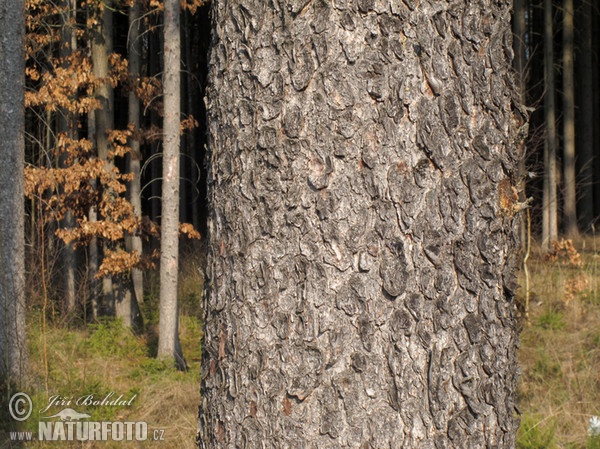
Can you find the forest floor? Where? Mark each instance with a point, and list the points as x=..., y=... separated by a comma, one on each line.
x=559, y=387
x=76, y=361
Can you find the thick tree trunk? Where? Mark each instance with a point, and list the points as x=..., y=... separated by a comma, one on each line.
x=586, y=154
x=13, y=350
x=570, y=201
x=550, y=200
x=168, y=342
x=360, y=278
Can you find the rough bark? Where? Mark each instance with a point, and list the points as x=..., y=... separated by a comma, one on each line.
x=361, y=186
x=168, y=342
x=13, y=350
x=570, y=200
x=586, y=153
x=550, y=200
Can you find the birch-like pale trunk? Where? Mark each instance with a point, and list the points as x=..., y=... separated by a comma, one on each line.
x=362, y=228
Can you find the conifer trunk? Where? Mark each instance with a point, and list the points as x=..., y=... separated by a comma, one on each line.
x=588, y=89
x=550, y=199
x=362, y=193
x=168, y=343
x=104, y=122
x=13, y=349
x=570, y=201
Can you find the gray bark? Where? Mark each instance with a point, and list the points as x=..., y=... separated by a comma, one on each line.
x=66, y=125
x=550, y=200
x=570, y=201
x=93, y=258
x=126, y=304
x=362, y=229
x=168, y=342
x=134, y=51
x=101, y=47
x=13, y=350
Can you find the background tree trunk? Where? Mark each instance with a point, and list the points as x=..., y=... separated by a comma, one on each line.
x=104, y=121
x=550, y=200
x=520, y=64
x=168, y=343
x=588, y=123
x=570, y=200
x=135, y=157
x=66, y=125
x=13, y=350
x=362, y=172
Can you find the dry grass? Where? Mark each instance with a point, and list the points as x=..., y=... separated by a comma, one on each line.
x=105, y=358
x=560, y=352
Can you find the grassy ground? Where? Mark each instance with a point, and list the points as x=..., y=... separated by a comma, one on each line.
x=559, y=388
x=104, y=358
x=560, y=350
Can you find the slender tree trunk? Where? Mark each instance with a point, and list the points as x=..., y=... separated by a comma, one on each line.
x=66, y=125
x=168, y=342
x=550, y=201
x=131, y=291
x=93, y=262
x=570, y=200
x=101, y=48
x=362, y=231
x=586, y=153
x=13, y=350
x=519, y=64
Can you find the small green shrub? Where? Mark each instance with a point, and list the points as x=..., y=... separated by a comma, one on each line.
x=545, y=368
x=110, y=338
x=552, y=320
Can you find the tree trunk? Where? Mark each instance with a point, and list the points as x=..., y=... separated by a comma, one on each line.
x=168, y=338
x=66, y=125
x=586, y=153
x=101, y=47
x=550, y=201
x=570, y=201
x=361, y=183
x=520, y=64
x=13, y=350
x=134, y=50
x=93, y=257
